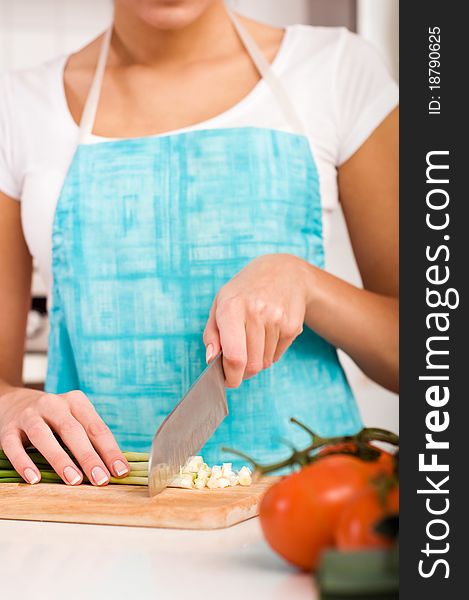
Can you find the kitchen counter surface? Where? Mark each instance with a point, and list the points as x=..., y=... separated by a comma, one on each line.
x=55, y=561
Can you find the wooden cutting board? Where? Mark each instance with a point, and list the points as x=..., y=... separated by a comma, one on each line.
x=131, y=505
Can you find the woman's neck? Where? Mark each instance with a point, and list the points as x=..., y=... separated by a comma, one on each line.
x=136, y=42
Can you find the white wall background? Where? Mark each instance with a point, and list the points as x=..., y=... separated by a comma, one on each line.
x=378, y=22
x=32, y=31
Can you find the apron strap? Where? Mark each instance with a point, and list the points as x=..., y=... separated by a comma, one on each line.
x=259, y=60
x=91, y=105
x=266, y=72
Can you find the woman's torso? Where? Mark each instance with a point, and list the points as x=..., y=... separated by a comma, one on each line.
x=146, y=232
x=44, y=133
x=284, y=182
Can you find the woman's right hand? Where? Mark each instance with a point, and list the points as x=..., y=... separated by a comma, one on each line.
x=30, y=417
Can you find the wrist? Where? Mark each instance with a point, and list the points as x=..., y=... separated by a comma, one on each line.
x=7, y=387
x=309, y=275
x=5, y=391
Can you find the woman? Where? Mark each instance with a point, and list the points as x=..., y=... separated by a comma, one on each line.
x=173, y=177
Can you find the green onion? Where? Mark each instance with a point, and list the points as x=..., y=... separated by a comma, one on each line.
x=8, y=473
x=130, y=480
x=136, y=456
x=138, y=473
x=194, y=474
x=49, y=476
x=138, y=462
x=138, y=466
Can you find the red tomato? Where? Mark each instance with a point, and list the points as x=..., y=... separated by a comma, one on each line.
x=300, y=513
x=355, y=530
x=385, y=459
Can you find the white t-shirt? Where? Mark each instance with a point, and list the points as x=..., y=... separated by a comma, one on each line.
x=336, y=81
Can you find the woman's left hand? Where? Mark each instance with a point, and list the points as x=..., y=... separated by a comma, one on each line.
x=257, y=315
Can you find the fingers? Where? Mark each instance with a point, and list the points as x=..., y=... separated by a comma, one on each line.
x=252, y=334
x=99, y=437
x=232, y=329
x=255, y=343
x=288, y=333
x=74, y=437
x=14, y=450
x=41, y=437
x=272, y=333
x=211, y=335
x=71, y=417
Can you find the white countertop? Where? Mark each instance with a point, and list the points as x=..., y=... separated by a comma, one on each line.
x=58, y=561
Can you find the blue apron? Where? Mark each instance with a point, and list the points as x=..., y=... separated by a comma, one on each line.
x=146, y=231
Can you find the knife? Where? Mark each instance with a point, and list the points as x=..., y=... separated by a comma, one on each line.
x=188, y=426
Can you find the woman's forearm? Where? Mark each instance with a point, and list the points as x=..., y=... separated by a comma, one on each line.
x=362, y=323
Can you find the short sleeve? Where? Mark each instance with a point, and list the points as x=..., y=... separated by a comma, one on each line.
x=365, y=94
x=8, y=182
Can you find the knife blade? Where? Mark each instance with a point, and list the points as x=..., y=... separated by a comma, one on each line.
x=188, y=426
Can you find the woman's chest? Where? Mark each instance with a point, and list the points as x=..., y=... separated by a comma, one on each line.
x=139, y=101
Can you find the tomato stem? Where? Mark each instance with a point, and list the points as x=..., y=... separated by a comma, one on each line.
x=375, y=434
x=255, y=464
x=309, y=454
x=315, y=437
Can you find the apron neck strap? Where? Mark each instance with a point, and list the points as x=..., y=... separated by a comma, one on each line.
x=266, y=72
x=91, y=105
x=259, y=60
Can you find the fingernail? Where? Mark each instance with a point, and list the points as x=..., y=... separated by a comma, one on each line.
x=209, y=353
x=71, y=475
x=99, y=476
x=120, y=468
x=31, y=476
